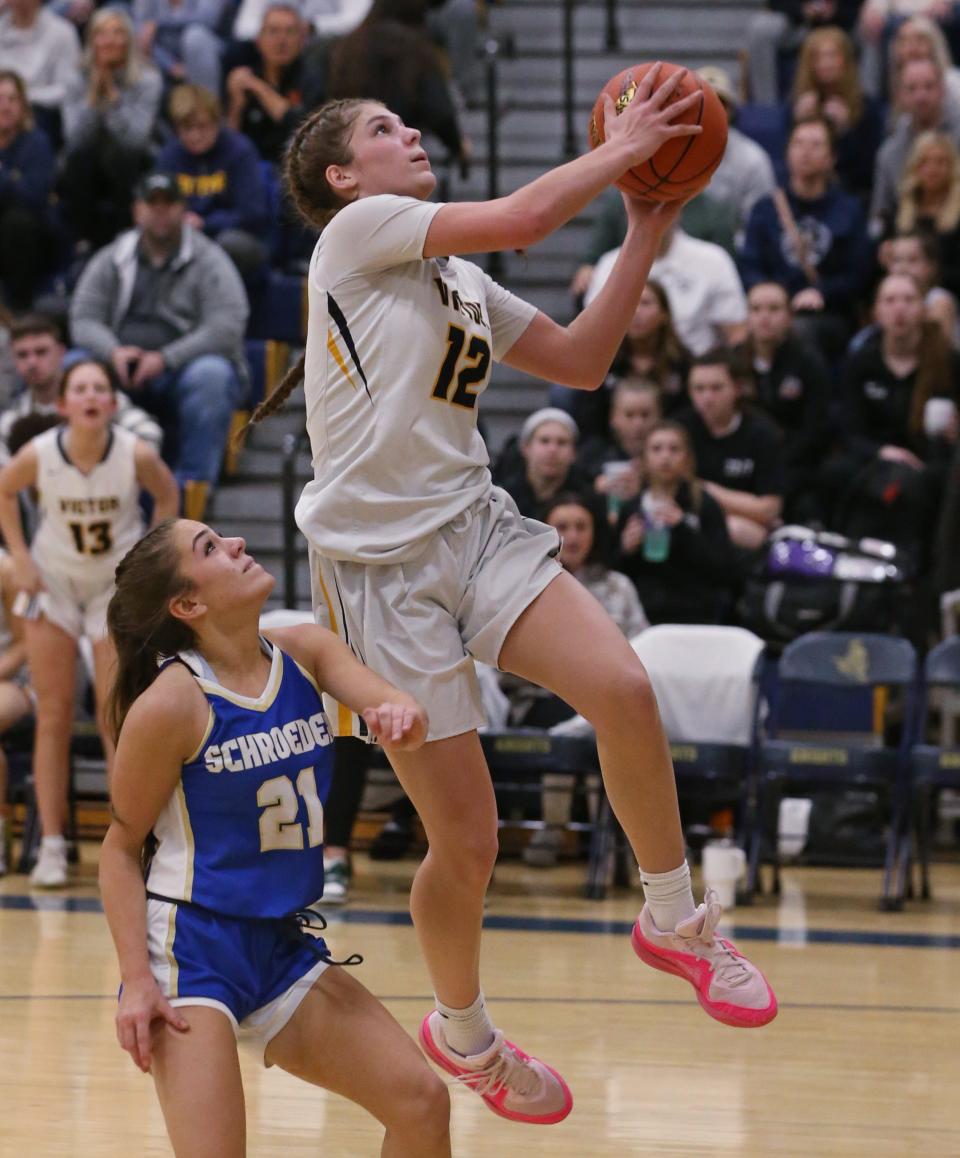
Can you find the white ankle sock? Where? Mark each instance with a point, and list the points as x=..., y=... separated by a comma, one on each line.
x=467, y=1031
x=670, y=896
x=53, y=842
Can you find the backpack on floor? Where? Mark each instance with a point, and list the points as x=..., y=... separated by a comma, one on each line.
x=820, y=581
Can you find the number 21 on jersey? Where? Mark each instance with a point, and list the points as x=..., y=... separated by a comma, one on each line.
x=280, y=800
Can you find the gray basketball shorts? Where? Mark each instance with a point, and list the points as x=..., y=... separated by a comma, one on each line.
x=421, y=624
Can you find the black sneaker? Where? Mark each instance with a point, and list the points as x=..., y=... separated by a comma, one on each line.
x=393, y=841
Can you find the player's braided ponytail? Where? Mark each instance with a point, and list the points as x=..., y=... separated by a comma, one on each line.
x=322, y=140
x=139, y=618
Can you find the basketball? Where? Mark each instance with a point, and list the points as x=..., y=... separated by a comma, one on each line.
x=682, y=166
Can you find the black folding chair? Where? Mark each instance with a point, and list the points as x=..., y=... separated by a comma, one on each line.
x=706, y=681
x=519, y=757
x=831, y=750
x=934, y=767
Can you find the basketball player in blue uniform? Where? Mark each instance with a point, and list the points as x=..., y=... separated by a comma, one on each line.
x=424, y=566
x=222, y=764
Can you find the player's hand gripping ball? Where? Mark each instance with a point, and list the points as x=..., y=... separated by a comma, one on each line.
x=683, y=166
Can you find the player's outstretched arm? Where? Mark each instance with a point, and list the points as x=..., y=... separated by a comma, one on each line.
x=532, y=213
x=579, y=355
x=393, y=717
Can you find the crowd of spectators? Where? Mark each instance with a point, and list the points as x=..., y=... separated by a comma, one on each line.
x=795, y=350
x=807, y=374
x=140, y=195
x=142, y=223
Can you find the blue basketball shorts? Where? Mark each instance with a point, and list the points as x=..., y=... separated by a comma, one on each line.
x=250, y=970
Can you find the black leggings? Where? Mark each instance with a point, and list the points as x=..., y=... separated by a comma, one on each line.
x=350, y=763
x=25, y=251
x=98, y=183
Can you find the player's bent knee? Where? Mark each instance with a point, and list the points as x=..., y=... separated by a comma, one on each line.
x=623, y=699
x=471, y=856
x=422, y=1109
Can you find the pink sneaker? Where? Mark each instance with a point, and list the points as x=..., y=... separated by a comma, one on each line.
x=513, y=1084
x=728, y=987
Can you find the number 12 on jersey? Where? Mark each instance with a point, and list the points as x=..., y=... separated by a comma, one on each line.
x=472, y=369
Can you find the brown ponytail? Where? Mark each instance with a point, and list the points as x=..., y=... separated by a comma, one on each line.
x=934, y=373
x=139, y=618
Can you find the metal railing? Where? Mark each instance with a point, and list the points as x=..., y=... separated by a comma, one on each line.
x=612, y=43
x=293, y=445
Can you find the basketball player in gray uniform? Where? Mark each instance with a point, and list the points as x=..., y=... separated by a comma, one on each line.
x=88, y=474
x=422, y=565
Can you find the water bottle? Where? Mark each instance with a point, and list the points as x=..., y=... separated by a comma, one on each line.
x=656, y=536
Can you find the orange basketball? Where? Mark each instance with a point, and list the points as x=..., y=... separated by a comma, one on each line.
x=684, y=165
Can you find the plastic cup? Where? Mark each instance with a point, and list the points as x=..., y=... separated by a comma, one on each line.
x=724, y=863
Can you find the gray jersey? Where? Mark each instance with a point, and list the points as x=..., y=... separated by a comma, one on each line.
x=399, y=349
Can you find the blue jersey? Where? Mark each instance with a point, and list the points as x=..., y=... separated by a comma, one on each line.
x=243, y=832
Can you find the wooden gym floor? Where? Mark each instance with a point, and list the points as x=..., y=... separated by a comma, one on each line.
x=864, y=1058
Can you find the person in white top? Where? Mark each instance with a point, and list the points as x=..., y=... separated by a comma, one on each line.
x=423, y=566
x=707, y=301
x=89, y=474
x=43, y=48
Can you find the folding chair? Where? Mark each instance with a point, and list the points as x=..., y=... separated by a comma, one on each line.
x=705, y=680
x=933, y=766
x=838, y=740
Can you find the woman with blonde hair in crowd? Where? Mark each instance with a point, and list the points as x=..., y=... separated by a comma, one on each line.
x=108, y=122
x=827, y=84
x=929, y=198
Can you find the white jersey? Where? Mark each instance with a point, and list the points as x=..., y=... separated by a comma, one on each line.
x=398, y=351
x=88, y=522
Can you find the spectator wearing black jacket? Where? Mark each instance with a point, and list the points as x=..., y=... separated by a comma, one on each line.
x=218, y=171
x=738, y=452
x=689, y=574
x=269, y=89
x=548, y=448
x=900, y=426
x=786, y=379
x=650, y=351
x=26, y=185
x=891, y=377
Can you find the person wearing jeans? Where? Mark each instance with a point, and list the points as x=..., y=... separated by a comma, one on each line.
x=167, y=308
x=203, y=396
